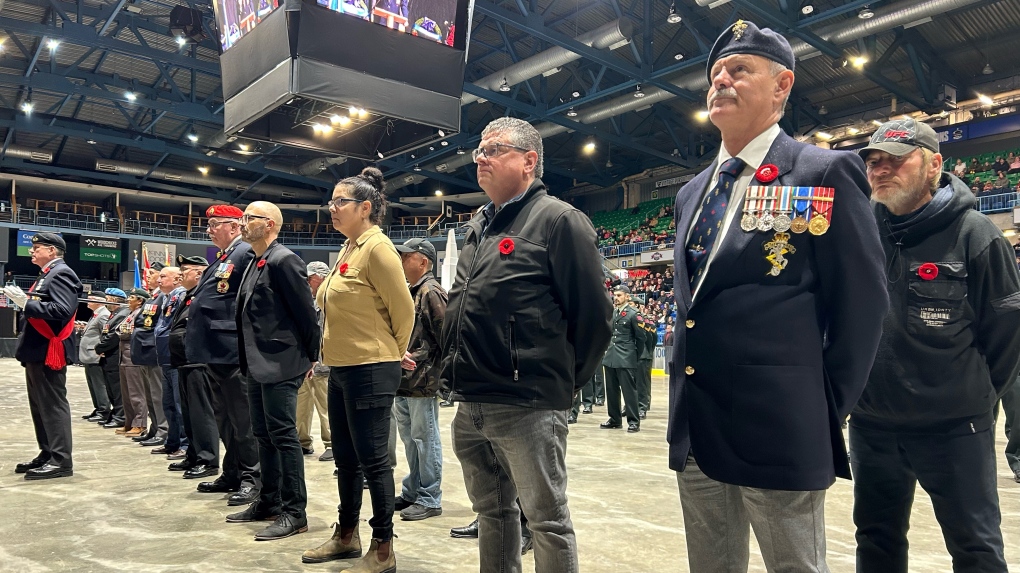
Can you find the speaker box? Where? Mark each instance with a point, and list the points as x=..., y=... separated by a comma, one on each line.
x=187, y=22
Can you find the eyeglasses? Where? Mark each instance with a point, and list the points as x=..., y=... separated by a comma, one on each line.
x=493, y=150
x=248, y=218
x=214, y=224
x=339, y=202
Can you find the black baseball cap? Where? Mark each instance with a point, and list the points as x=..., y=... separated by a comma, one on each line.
x=423, y=246
x=901, y=136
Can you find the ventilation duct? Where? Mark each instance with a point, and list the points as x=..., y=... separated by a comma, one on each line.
x=27, y=154
x=178, y=176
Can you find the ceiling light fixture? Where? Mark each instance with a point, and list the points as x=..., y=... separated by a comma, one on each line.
x=243, y=146
x=823, y=110
x=460, y=151
x=865, y=13
x=503, y=86
x=27, y=106
x=571, y=112
x=442, y=133
x=807, y=9
x=702, y=115
x=673, y=17
x=987, y=70
x=182, y=41
x=444, y=143
x=231, y=169
x=678, y=57
x=638, y=93
x=852, y=130
x=379, y=153
x=985, y=99
x=90, y=141
x=824, y=136
x=859, y=61
x=52, y=44
x=589, y=148
x=130, y=96
x=203, y=170
x=876, y=123
x=417, y=167
x=192, y=137
x=575, y=93
x=439, y=192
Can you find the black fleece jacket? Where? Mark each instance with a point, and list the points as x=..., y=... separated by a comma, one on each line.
x=951, y=342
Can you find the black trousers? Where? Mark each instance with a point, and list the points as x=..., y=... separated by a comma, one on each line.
x=274, y=424
x=645, y=384
x=625, y=380
x=585, y=396
x=1011, y=411
x=233, y=419
x=51, y=414
x=598, y=387
x=199, y=419
x=111, y=378
x=957, y=471
x=359, y=420
x=96, y=380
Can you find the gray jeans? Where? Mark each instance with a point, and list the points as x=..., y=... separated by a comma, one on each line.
x=510, y=452
x=789, y=525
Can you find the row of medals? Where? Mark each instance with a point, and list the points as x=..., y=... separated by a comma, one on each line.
x=765, y=222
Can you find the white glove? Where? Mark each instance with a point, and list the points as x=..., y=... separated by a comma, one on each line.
x=16, y=295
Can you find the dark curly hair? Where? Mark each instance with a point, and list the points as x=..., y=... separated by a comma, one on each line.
x=368, y=186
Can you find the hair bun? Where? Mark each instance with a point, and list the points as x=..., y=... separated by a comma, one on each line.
x=375, y=178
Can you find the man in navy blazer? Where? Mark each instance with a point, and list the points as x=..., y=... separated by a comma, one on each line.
x=780, y=288
x=278, y=341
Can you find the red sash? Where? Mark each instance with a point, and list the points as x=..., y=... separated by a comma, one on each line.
x=55, y=359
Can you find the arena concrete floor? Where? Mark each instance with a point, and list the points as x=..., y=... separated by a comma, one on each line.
x=123, y=511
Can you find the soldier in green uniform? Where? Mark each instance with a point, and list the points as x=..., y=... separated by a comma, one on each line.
x=646, y=352
x=621, y=362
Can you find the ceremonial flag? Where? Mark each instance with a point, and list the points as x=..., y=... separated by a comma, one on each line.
x=138, y=273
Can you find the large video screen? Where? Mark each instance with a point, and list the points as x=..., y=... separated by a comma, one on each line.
x=235, y=18
x=434, y=20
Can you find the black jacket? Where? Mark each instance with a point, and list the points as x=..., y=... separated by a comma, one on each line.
x=109, y=343
x=212, y=329
x=529, y=327
x=951, y=345
x=143, y=338
x=425, y=348
x=53, y=298
x=179, y=320
x=278, y=331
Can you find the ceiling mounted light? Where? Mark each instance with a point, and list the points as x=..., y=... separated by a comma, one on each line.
x=638, y=93
x=231, y=169
x=182, y=41
x=702, y=115
x=379, y=153
x=90, y=141
x=439, y=192
x=838, y=63
x=589, y=148
x=807, y=9
x=192, y=137
x=823, y=110
x=130, y=96
x=865, y=14
x=859, y=62
x=824, y=136
x=987, y=70
x=673, y=17
x=503, y=86
x=985, y=99
x=876, y=123
x=460, y=151
x=444, y=143
x=417, y=167
x=571, y=112
x=243, y=146
x=852, y=130
x=678, y=57
x=442, y=133
x=203, y=170
x=52, y=44
x=575, y=93
x=27, y=106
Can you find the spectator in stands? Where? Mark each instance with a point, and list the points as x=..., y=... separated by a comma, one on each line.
x=987, y=189
x=1014, y=164
x=1000, y=166
x=960, y=169
x=974, y=166
x=1001, y=184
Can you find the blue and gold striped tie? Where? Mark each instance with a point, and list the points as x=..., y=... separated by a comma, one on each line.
x=710, y=221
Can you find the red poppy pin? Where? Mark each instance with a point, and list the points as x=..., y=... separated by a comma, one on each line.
x=343, y=269
x=928, y=271
x=261, y=263
x=188, y=303
x=506, y=246
x=623, y=313
x=767, y=173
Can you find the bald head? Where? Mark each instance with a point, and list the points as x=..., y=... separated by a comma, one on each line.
x=265, y=209
x=261, y=224
x=169, y=278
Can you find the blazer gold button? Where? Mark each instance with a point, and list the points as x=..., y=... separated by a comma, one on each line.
x=689, y=323
x=689, y=370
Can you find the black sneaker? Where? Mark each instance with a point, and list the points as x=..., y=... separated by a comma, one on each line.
x=254, y=512
x=307, y=451
x=327, y=456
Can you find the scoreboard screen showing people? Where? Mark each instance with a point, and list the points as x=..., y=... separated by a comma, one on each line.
x=434, y=20
x=235, y=18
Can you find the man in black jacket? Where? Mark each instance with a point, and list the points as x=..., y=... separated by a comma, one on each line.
x=527, y=324
x=108, y=349
x=44, y=347
x=196, y=398
x=949, y=350
x=274, y=357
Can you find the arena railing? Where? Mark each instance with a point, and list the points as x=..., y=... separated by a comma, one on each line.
x=997, y=203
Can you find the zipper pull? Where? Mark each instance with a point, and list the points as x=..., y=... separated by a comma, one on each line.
x=515, y=376
x=972, y=430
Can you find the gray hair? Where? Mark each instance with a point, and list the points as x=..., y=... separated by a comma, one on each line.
x=317, y=268
x=776, y=68
x=520, y=133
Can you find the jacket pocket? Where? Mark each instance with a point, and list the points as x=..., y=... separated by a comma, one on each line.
x=937, y=310
x=512, y=343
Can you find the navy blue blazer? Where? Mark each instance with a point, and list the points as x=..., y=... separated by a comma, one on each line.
x=777, y=362
x=53, y=298
x=212, y=332
x=143, y=337
x=279, y=331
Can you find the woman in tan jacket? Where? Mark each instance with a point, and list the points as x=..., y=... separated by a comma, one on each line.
x=368, y=318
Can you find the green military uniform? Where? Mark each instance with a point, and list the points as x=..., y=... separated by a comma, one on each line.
x=621, y=364
x=646, y=353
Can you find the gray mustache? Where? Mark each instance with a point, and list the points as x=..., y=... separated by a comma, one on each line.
x=725, y=92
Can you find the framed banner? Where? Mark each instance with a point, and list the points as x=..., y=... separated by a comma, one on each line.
x=159, y=253
x=102, y=249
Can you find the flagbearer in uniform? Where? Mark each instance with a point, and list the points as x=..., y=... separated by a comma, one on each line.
x=621, y=363
x=780, y=288
x=44, y=346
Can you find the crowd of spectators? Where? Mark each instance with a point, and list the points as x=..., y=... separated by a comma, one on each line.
x=647, y=232
x=995, y=184
x=656, y=289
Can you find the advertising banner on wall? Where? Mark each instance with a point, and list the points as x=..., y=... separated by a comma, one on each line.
x=164, y=253
x=657, y=257
x=102, y=249
x=25, y=241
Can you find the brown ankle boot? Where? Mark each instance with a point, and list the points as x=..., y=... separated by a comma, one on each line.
x=371, y=563
x=335, y=548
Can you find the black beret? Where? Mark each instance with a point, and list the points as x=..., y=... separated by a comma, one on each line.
x=157, y=266
x=52, y=239
x=745, y=37
x=182, y=260
x=140, y=293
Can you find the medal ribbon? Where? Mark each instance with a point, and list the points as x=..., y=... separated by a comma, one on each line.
x=802, y=203
x=784, y=199
x=822, y=202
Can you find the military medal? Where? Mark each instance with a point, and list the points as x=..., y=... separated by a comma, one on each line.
x=801, y=206
x=222, y=286
x=782, y=221
x=148, y=322
x=822, y=205
x=749, y=221
x=775, y=251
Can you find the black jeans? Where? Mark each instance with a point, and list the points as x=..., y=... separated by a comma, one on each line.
x=111, y=378
x=96, y=379
x=957, y=471
x=274, y=424
x=199, y=420
x=360, y=405
x=175, y=438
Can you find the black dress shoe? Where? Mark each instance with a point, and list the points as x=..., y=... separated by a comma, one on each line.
x=87, y=416
x=571, y=419
x=181, y=466
x=36, y=463
x=633, y=428
x=610, y=425
x=246, y=494
x=254, y=512
x=586, y=410
x=48, y=471
x=284, y=526
x=600, y=402
x=152, y=442
x=144, y=437
x=114, y=424
x=307, y=451
x=96, y=418
x=401, y=504
x=641, y=414
x=468, y=531
x=201, y=471
x=219, y=486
